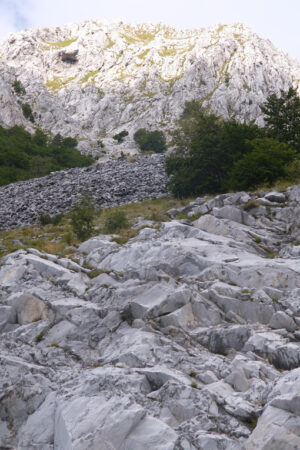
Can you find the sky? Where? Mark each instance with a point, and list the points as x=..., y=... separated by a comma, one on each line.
x=277, y=20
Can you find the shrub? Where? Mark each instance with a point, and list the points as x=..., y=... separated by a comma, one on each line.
x=45, y=219
x=292, y=171
x=150, y=140
x=55, y=220
x=116, y=221
x=27, y=111
x=120, y=136
x=251, y=204
x=18, y=87
x=82, y=217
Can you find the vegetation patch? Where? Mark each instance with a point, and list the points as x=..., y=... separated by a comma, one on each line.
x=24, y=156
x=134, y=35
x=150, y=140
x=60, y=239
x=18, y=87
x=144, y=54
x=214, y=155
x=56, y=84
x=58, y=45
x=165, y=52
x=110, y=43
x=116, y=221
x=90, y=76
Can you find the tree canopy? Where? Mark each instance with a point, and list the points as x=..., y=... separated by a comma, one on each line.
x=213, y=155
x=206, y=148
x=150, y=140
x=282, y=117
x=24, y=156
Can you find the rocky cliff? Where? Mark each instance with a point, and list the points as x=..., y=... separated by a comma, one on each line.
x=94, y=79
x=188, y=337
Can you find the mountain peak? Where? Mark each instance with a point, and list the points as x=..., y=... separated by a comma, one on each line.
x=94, y=78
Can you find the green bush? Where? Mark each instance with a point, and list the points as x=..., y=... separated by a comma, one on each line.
x=116, y=221
x=27, y=111
x=45, y=219
x=120, y=136
x=150, y=140
x=18, y=87
x=82, y=217
x=292, y=171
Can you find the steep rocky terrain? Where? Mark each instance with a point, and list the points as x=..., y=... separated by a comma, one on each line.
x=188, y=337
x=94, y=79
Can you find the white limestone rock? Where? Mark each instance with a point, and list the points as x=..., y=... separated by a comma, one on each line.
x=129, y=76
x=187, y=338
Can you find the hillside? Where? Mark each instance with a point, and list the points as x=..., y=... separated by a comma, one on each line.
x=93, y=79
x=185, y=337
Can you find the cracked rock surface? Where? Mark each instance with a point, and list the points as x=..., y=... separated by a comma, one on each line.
x=187, y=339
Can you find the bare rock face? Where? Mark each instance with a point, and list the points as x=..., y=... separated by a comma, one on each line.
x=94, y=79
x=187, y=339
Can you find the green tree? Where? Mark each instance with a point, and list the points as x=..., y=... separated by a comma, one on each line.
x=58, y=140
x=206, y=148
x=82, y=217
x=24, y=156
x=282, y=117
x=263, y=165
x=150, y=140
x=40, y=138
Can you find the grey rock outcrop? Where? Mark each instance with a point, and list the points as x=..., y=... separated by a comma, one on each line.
x=93, y=79
x=187, y=339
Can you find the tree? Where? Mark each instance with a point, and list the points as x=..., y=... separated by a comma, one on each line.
x=206, y=148
x=58, y=140
x=24, y=156
x=82, y=217
x=40, y=138
x=150, y=140
x=282, y=117
x=263, y=165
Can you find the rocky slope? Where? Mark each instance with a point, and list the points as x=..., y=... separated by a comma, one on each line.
x=109, y=184
x=94, y=79
x=188, y=338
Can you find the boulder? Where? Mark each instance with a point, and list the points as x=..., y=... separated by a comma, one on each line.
x=29, y=308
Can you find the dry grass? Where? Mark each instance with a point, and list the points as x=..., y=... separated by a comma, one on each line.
x=60, y=240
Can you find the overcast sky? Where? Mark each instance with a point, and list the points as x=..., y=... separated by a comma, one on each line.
x=277, y=20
